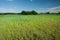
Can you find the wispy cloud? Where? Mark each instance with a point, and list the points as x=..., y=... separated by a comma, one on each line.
x=4, y=10
x=10, y=0
x=54, y=9
x=31, y=0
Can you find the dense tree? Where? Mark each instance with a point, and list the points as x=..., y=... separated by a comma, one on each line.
x=47, y=12
x=34, y=12
x=23, y=12
x=29, y=13
x=58, y=12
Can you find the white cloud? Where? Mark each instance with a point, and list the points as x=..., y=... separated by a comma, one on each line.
x=31, y=0
x=10, y=0
x=4, y=10
x=54, y=9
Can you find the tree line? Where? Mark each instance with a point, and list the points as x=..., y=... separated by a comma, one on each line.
x=29, y=13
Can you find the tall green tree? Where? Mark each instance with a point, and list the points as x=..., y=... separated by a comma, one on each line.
x=29, y=13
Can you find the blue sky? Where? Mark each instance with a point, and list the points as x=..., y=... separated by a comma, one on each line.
x=28, y=5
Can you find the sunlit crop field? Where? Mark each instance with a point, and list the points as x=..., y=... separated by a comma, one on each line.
x=29, y=27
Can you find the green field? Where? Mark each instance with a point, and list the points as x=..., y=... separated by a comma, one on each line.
x=30, y=27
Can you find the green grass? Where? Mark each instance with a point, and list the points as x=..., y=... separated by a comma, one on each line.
x=29, y=27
